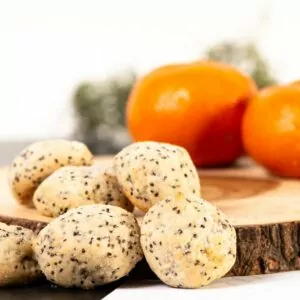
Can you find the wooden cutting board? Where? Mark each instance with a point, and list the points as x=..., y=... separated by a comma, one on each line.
x=264, y=209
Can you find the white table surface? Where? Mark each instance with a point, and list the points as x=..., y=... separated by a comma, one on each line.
x=277, y=286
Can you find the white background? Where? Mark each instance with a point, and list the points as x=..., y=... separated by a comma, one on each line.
x=47, y=47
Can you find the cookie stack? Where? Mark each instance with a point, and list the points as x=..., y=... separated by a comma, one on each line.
x=95, y=238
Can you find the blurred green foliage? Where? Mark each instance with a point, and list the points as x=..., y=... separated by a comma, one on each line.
x=102, y=103
x=245, y=56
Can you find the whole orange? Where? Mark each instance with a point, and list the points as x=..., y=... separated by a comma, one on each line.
x=271, y=129
x=198, y=106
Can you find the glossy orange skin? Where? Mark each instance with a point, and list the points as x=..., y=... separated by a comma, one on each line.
x=198, y=106
x=271, y=129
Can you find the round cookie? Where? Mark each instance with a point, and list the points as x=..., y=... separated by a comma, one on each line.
x=149, y=171
x=71, y=187
x=39, y=160
x=89, y=246
x=110, y=192
x=17, y=263
x=188, y=242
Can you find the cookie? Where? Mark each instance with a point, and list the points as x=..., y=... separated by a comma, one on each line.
x=17, y=262
x=89, y=246
x=109, y=192
x=71, y=186
x=188, y=242
x=39, y=160
x=149, y=171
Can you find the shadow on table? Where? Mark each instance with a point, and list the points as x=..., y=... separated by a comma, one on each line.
x=48, y=291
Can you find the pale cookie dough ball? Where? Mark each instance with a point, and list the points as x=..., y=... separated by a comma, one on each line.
x=109, y=191
x=188, y=242
x=17, y=263
x=70, y=187
x=149, y=171
x=89, y=246
x=39, y=160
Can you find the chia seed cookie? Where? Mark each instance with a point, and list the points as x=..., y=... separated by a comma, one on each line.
x=70, y=187
x=109, y=191
x=149, y=172
x=17, y=262
x=39, y=160
x=188, y=242
x=89, y=246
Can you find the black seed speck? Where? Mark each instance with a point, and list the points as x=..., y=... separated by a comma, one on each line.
x=224, y=225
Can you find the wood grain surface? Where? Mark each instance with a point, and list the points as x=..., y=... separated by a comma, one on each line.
x=264, y=209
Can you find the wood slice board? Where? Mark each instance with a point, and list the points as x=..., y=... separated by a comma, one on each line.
x=265, y=211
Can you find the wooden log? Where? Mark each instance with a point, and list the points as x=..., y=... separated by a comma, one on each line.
x=265, y=211
x=269, y=248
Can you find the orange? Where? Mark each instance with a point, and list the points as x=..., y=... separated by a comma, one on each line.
x=198, y=106
x=271, y=129
x=297, y=82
